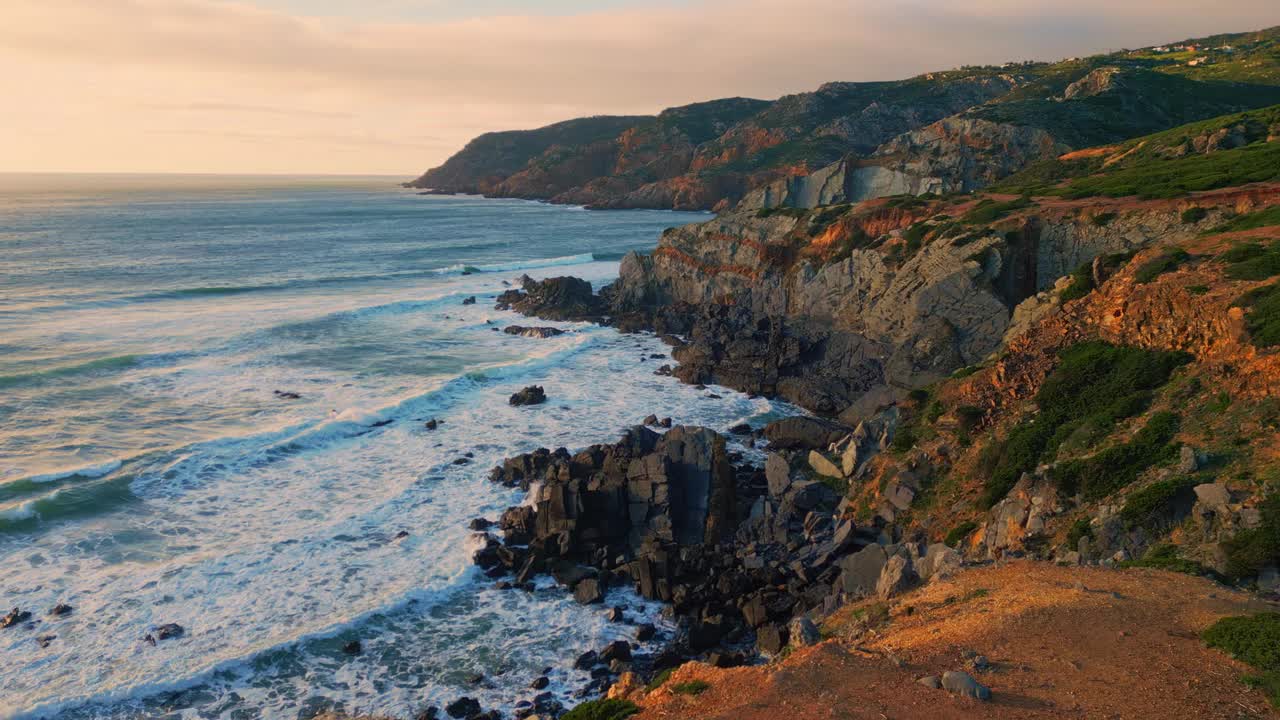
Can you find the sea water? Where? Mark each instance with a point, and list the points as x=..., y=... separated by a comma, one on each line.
x=150, y=473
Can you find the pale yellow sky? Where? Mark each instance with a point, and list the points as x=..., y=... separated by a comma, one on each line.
x=299, y=86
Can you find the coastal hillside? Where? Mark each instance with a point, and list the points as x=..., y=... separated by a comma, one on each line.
x=957, y=130
x=1042, y=449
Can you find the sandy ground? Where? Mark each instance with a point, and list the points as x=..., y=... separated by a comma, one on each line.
x=1063, y=643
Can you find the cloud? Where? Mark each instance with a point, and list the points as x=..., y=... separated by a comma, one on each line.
x=406, y=81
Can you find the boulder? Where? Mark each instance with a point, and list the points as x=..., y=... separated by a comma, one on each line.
x=532, y=395
x=804, y=633
x=824, y=466
x=860, y=572
x=777, y=472
x=897, y=576
x=463, y=707
x=771, y=638
x=588, y=591
x=803, y=433
x=1213, y=495
x=616, y=650
x=962, y=683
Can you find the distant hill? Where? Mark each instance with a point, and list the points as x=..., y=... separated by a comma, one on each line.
x=955, y=130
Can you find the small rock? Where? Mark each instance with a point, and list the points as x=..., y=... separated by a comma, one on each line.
x=462, y=461
x=432, y=424
x=588, y=591
x=14, y=617
x=60, y=609
x=804, y=633
x=650, y=420
x=532, y=395
x=474, y=678
x=286, y=395
x=586, y=660
x=740, y=429
x=540, y=683
x=615, y=614
x=962, y=683
x=645, y=632
x=664, y=422
x=616, y=650
x=480, y=524
x=352, y=648
x=469, y=300
x=931, y=681
x=169, y=630
x=44, y=640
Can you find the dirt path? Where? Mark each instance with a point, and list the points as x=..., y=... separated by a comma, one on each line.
x=1063, y=642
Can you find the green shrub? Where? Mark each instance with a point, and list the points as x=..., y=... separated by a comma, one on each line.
x=1109, y=470
x=1081, y=284
x=1103, y=219
x=960, y=533
x=1198, y=289
x=1094, y=386
x=1081, y=529
x=659, y=680
x=1167, y=262
x=1254, y=640
x=783, y=211
x=1193, y=215
x=1149, y=508
x=1262, y=317
x=1165, y=557
x=1152, y=179
x=1252, y=261
x=605, y=709
x=988, y=211
x=1252, y=550
x=693, y=687
x=1251, y=221
x=903, y=440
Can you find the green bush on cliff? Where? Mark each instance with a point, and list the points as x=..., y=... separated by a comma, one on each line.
x=1149, y=508
x=1094, y=386
x=1166, y=262
x=1081, y=284
x=988, y=211
x=1251, y=221
x=960, y=533
x=1252, y=550
x=693, y=687
x=1254, y=640
x=1262, y=315
x=1109, y=470
x=1166, y=557
x=1252, y=261
x=1082, y=528
x=606, y=709
x=1193, y=215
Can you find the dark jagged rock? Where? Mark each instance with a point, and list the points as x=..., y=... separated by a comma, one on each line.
x=60, y=609
x=558, y=298
x=45, y=641
x=286, y=395
x=469, y=300
x=532, y=395
x=463, y=707
x=168, y=631
x=616, y=650
x=432, y=424
x=532, y=332
x=14, y=617
x=646, y=632
x=353, y=648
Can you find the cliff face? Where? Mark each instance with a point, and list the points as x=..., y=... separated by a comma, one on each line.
x=958, y=130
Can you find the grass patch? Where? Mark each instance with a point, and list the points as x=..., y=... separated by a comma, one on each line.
x=1153, y=179
x=988, y=211
x=1167, y=262
x=1252, y=261
x=659, y=680
x=783, y=211
x=1109, y=470
x=1252, y=550
x=1166, y=557
x=1251, y=221
x=1255, y=640
x=1198, y=289
x=1262, y=316
x=693, y=687
x=1150, y=507
x=960, y=533
x=607, y=709
x=1094, y=386
x=1082, y=278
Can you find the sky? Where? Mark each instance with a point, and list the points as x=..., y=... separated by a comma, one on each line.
x=396, y=86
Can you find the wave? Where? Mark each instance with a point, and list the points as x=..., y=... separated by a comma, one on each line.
x=106, y=364
x=68, y=502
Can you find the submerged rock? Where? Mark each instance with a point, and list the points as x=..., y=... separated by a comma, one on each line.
x=14, y=617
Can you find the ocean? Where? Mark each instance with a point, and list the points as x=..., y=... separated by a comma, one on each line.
x=151, y=472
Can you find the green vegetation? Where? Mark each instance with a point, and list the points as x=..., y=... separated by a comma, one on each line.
x=960, y=533
x=1252, y=261
x=1198, y=289
x=693, y=687
x=1251, y=221
x=1255, y=640
x=1252, y=550
x=1081, y=284
x=1109, y=470
x=1166, y=557
x=1193, y=215
x=1094, y=386
x=1081, y=529
x=1262, y=316
x=605, y=709
x=1175, y=178
x=1150, y=508
x=988, y=211
x=659, y=680
x=1167, y=262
